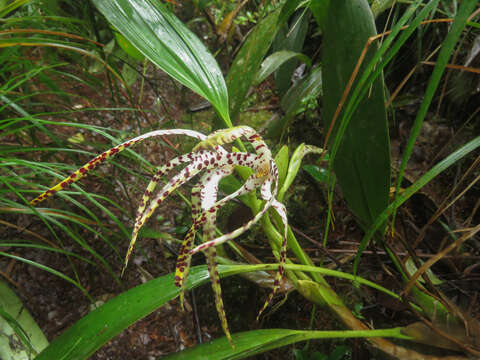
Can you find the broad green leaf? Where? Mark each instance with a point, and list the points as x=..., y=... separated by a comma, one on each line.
x=295, y=100
x=92, y=331
x=290, y=38
x=289, y=8
x=274, y=61
x=254, y=342
x=319, y=9
x=20, y=336
x=157, y=33
x=389, y=48
x=246, y=64
x=320, y=174
x=128, y=47
x=362, y=162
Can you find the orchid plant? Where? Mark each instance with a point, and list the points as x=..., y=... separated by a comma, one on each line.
x=216, y=163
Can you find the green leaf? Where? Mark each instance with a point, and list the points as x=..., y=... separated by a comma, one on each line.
x=294, y=101
x=157, y=33
x=294, y=166
x=362, y=162
x=20, y=336
x=379, y=6
x=246, y=64
x=274, y=61
x=254, y=342
x=411, y=269
x=319, y=9
x=466, y=8
x=92, y=331
x=291, y=38
x=412, y=189
x=11, y=7
x=128, y=47
x=281, y=160
x=320, y=174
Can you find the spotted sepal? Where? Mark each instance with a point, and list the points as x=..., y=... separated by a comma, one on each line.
x=92, y=164
x=204, y=160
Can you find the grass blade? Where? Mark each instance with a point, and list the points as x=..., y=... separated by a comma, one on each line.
x=453, y=35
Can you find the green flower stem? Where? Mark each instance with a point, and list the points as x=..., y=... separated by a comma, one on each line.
x=323, y=271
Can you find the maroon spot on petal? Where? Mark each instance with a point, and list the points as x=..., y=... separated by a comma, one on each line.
x=259, y=146
x=230, y=162
x=199, y=167
x=113, y=151
x=83, y=170
x=229, y=156
x=177, y=278
x=63, y=184
x=70, y=181
x=245, y=157
x=212, y=161
x=212, y=210
x=276, y=283
x=73, y=176
x=219, y=157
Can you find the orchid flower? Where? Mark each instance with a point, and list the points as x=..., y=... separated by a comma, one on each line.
x=216, y=163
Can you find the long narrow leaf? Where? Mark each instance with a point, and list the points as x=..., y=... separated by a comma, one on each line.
x=407, y=193
x=254, y=342
x=453, y=35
